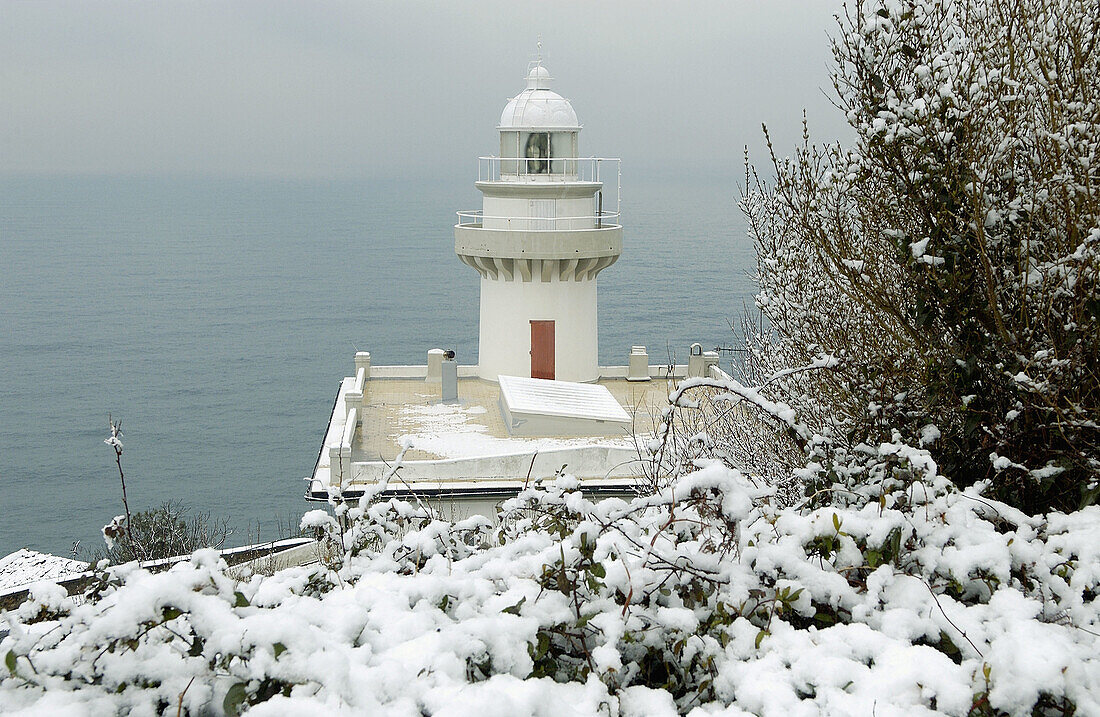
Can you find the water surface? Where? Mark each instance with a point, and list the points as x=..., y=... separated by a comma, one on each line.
x=216, y=317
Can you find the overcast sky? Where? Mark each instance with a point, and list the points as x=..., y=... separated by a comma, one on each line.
x=351, y=89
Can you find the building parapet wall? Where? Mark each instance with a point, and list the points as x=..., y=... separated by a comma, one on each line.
x=403, y=372
x=413, y=372
x=582, y=461
x=655, y=371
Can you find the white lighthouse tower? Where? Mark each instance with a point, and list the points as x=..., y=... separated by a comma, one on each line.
x=545, y=231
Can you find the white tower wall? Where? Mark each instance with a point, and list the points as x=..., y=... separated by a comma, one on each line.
x=538, y=243
x=508, y=307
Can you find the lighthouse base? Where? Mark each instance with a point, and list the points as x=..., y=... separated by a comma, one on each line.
x=508, y=309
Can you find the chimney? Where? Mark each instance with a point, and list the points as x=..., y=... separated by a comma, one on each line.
x=638, y=369
x=696, y=365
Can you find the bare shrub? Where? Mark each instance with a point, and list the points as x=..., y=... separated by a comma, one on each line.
x=169, y=530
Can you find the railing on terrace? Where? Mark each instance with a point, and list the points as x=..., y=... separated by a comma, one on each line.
x=475, y=218
x=552, y=169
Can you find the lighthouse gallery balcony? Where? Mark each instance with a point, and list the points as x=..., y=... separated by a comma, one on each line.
x=556, y=218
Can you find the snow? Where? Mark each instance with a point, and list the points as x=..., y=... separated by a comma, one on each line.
x=447, y=430
x=433, y=617
x=24, y=567
x=929, y=434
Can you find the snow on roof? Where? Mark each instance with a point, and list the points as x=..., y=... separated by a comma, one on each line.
x=452, y=431
x=25, y=567
x=589, y=401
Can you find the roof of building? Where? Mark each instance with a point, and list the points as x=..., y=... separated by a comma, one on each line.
x=25, y=567
x=538, y=107
x=407, y=413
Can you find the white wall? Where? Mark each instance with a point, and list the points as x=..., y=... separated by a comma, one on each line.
x=508, y=307
x=522, y=207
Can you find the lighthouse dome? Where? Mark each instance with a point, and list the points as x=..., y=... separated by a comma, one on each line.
x=538, y=107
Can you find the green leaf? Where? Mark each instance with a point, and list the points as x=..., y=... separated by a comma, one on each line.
x=760, y=638
x=279, y=648
x=836, y=522
x=171, y=613
x=9, y=660
x=514, y=610
x=234, y=698
x=599, y=571
x=883, y=12
x=240, y=600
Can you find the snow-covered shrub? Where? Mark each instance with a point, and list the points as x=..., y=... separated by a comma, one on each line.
x=704, y=595
x=950, y=259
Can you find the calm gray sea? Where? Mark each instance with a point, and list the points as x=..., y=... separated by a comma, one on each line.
x=216, y=317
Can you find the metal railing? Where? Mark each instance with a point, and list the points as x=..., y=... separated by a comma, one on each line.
x=557, y=169
x=476, y=218
x=547, y=169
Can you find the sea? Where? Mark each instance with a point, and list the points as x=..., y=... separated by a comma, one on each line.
x=214, y=319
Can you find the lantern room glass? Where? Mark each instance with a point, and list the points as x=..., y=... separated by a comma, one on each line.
x=538, y=153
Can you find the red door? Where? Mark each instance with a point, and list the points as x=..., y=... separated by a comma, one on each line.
x=542, y=349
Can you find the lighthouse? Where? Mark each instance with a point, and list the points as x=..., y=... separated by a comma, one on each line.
x=547, y=226
x=544, y=233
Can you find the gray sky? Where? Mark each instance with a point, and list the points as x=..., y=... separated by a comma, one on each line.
x=350, y=89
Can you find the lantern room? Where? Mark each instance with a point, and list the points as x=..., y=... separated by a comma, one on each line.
x=538, y=132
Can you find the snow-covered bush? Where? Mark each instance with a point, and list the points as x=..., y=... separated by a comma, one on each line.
x=702, y=596
x=949, y=259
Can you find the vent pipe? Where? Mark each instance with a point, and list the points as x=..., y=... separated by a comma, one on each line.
x=449, y=378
